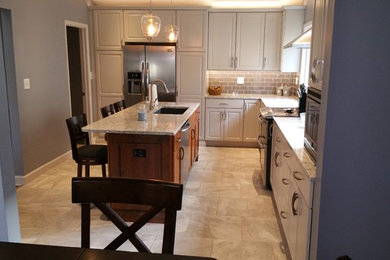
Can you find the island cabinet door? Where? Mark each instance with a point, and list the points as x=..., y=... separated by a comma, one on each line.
x=140, y=156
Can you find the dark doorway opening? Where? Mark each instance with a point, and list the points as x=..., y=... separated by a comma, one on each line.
x=77, y=92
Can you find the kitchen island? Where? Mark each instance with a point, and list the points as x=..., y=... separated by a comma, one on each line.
x=150, y=149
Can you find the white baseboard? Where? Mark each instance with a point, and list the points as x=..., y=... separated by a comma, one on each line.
x=21, y=180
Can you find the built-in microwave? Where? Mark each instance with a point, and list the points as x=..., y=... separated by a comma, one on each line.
x=311, y=122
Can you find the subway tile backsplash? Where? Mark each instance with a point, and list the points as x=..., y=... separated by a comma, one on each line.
x=255, y=82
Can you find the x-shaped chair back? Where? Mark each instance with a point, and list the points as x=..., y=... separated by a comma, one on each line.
x=157, y=194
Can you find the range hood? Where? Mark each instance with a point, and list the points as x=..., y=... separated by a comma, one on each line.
x=301, y=42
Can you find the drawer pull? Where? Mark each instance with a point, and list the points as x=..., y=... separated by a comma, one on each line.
x=139, y=153
x=285, y=181
x=287, y=155
x=298, y=175
x=277, y=162
x=181, y=153
x=293, y=200
x=283, y=214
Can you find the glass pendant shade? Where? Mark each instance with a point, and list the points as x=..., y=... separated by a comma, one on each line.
x=172, y=32
x=150, y=25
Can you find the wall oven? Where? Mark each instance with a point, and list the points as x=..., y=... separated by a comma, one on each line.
x=311, y=122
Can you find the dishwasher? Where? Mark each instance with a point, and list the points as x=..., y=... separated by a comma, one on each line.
x=184, y=152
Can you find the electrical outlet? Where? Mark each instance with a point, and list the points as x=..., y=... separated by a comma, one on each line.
x=26, y=83
x=240, y=80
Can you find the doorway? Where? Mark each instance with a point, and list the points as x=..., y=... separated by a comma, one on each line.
x=78, y=69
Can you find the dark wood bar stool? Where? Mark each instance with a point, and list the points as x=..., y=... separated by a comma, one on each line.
x=102, y=191
x=107, y=110
x=82, y=152
x=120, y=105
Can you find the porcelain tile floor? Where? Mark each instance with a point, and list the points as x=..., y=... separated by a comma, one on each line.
x=226, y=212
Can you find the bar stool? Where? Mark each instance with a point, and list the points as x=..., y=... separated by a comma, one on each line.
x=82, y=152
x=120, y=105
x=107, y=110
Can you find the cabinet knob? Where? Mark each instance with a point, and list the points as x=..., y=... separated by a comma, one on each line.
x=285, y=181
x=278, y=139
x=287, y=155
x=283, y=214
x=277, y=159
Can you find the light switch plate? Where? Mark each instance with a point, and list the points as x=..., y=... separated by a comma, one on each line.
x=240, y=80
x=26, y=83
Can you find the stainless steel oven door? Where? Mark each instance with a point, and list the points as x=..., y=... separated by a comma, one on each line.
x=311, y=125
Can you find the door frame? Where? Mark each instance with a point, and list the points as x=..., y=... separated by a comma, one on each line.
x=85, y=66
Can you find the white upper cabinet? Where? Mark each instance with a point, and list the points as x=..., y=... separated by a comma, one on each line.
x=317, y=44
x=192, y=30
x=108, y=29
x=132, y=25
x=249, y=41
x=222, y=39
x=244, y=41
x=191, y=73
x=272, y=41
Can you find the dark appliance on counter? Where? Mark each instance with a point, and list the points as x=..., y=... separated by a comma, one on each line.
x=145, y=63
x=302, y=95
x=311, y=121
x=266, y=116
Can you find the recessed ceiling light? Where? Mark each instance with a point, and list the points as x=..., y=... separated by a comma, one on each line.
x=248, y=4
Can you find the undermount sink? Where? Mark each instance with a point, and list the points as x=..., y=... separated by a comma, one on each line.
x=171, y=110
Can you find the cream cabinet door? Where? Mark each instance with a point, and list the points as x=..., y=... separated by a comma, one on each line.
x=192, y=30
x=233, y=122
x=222, y=33
x=109, y=77
x=132, y=25
x=108, y=29
x=191, y=73
x=251, y=121
x=250, y=39
x=214, y=124
x=272, y=41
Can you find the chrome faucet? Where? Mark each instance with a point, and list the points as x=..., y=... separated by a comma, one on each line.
x=154, y=100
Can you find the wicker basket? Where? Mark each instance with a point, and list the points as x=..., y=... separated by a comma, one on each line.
x=215, y=88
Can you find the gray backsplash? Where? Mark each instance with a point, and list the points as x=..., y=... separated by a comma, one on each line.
x=255, y=82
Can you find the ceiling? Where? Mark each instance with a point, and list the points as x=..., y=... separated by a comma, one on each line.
x=199, y=3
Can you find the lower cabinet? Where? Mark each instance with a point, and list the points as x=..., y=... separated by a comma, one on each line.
x=251, y=122
x=224, y=124
x=289, y=187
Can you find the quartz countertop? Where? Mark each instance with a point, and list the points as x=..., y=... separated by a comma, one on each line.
x=268, y=100
x=293, y=129
x=126, y=121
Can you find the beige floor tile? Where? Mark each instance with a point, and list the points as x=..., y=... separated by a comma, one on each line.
x=215, y=227
x=226, y=211
x=232, y=249
x=260, y=229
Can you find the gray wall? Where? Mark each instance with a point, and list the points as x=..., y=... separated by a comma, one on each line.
x=40, y=54
x=354, y=208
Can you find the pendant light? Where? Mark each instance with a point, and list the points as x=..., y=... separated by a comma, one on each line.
x=172, y=30
x=150, y=24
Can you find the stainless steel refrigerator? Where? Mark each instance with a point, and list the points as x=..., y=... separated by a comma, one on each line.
x=148, y=63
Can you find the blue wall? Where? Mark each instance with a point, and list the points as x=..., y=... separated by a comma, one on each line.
x=355, y=187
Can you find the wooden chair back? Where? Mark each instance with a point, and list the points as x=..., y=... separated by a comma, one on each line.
x=157, y=194
x=107, y=110
x=74, y=124
x=120, y=105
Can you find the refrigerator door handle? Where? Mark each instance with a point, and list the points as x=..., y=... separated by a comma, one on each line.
x=143, y=80
x=147, y=74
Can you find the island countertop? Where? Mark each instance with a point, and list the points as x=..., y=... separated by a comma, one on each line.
x=126, y=121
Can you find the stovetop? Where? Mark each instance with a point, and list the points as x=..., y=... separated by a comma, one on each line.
x=267, y=112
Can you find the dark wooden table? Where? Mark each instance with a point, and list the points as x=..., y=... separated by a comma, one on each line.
x=19, y=251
